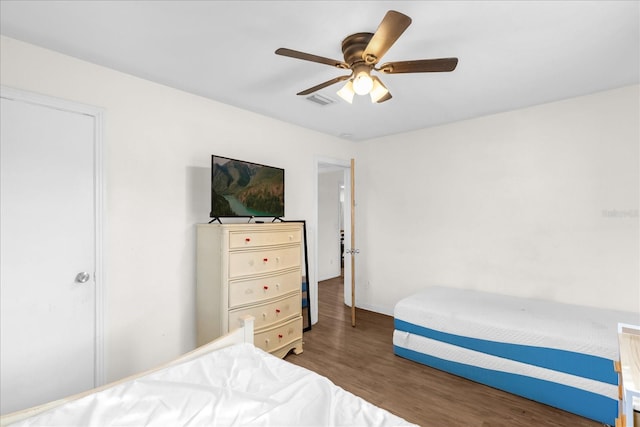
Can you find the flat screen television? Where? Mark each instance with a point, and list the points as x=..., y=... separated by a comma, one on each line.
x=245, y=189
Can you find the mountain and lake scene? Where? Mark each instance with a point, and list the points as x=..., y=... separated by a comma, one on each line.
x=246, y=189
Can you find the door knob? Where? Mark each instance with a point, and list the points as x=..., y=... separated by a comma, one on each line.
x=83, y=277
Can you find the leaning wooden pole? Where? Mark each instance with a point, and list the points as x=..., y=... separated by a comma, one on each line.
x=353, y=244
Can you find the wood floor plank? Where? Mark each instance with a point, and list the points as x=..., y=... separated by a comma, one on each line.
x=361, y=361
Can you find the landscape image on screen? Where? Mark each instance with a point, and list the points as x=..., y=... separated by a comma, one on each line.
x=240, y=188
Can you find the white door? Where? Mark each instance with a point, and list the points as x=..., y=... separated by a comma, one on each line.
x=47, y=254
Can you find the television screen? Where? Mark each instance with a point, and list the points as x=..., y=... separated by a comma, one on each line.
x=244, y=189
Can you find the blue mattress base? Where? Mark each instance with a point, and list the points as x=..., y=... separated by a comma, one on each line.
x=590, y=405
x=579, y=364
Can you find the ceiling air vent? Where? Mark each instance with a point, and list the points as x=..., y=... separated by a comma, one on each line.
x=320, y=100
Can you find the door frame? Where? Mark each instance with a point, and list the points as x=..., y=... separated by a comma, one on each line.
x=99, y=204
x=345, y=165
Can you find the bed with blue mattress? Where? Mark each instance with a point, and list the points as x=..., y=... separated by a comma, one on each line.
x=558, y=354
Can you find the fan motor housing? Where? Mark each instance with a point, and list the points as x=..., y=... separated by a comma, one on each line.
x=353, y=47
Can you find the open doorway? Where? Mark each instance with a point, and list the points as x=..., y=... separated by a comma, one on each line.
x=330, y=223
x=333, y=228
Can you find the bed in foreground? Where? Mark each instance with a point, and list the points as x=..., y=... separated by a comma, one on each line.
x=228, y=382
x=558, y=354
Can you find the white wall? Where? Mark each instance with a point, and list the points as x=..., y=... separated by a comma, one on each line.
x=329, y=219
x=158, y=143
x=540, y=202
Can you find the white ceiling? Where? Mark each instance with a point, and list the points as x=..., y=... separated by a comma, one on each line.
x=512, y=54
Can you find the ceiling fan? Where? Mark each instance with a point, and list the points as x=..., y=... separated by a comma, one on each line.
x=362, y=52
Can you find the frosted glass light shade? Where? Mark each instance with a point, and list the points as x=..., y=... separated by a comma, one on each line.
x=347, y=92
x=378, y=91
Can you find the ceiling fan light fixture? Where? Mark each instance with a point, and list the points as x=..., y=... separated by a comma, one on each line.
x=362, y=52
x=378, y=91
x=362, y=81
x=347, y=92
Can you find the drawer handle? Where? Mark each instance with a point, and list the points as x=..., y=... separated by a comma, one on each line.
x=265, y=287
x=265, y=259
x=280, y=336
x=277, y=310
x=247, y=239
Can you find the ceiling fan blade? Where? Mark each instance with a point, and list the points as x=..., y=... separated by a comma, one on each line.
x=390, y=29
x=309, y=57
x=323, y=85
x=420, y=66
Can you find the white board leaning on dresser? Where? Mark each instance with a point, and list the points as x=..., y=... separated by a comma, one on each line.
x=251, y=269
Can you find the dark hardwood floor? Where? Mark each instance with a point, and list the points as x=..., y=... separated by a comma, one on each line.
x=361, y=360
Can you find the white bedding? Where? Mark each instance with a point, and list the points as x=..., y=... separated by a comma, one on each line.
x=514, y=320
x=238, y=385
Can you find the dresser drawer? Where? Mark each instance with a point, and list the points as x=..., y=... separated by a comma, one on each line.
x=270, y=313
x=279, y=336
x=253, y=239
x=262, y=289
x=246, y=263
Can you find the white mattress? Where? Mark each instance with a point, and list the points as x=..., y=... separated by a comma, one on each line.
x=236, y=386
x=516, y=320
x=465, y=356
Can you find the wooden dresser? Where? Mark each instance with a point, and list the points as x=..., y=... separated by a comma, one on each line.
x=252, y=269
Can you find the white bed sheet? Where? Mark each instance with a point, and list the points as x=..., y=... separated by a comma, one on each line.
x=514, y=320
x=240, y=385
